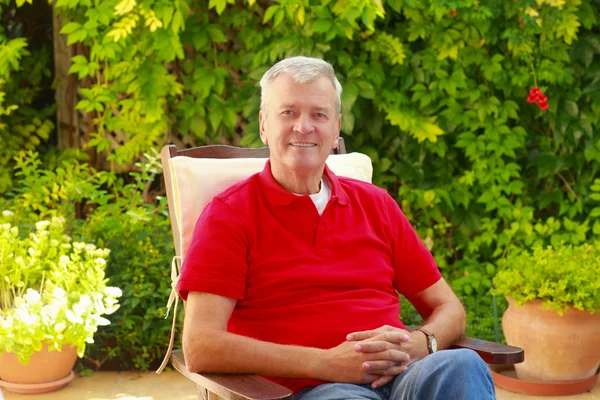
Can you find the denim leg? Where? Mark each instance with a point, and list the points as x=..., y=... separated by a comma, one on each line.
x=448, y=375
x=338, y=391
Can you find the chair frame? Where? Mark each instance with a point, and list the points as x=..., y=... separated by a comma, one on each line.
x=253, y=387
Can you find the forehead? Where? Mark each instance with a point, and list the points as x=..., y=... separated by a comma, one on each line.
x=286, y=90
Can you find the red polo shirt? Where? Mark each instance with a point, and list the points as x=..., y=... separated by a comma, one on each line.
x=301, y=278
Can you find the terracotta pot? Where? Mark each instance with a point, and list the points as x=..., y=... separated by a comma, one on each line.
x=557, y=348
x=45, y=371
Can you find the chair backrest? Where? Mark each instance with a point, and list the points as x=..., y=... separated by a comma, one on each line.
x=194, y=176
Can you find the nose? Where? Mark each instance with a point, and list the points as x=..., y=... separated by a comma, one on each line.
x=303, y=124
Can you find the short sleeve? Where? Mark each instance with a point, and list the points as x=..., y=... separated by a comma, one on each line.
x=414, y=266
x=216, y=260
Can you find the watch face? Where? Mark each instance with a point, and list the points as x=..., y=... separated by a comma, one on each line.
x=433, y=343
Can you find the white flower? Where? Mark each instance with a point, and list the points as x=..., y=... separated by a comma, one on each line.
x=90, y=247
x=85, y=300
x=64, y=260
x=7, y=322
x=5, y=226
x=84, y=303
x=41, y=225
x=102, y=321
x=58, y=293
x=7, y=213
x=58, y=328
x=25, y=317
x=78, y=246
x=54, y=242
x=14, y=231
x=32, y=296
x=73, y=318
x=100, y=261
x=50, y=311
x=19, y=302
x=113, y=291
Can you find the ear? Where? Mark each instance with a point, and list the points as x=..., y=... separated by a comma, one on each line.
x=337, y=135
x=261, y=126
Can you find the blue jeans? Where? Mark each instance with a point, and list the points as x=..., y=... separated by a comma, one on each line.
x=449, y=375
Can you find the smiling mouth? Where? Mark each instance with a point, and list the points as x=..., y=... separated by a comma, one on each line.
x=302, y=144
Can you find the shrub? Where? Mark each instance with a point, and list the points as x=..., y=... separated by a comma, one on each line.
x=560, y=276
x=121, y=214
x=53, y=289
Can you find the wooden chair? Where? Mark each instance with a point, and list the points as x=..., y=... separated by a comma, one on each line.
x=253, y=387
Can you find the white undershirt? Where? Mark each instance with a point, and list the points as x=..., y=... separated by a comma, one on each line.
x=322, y=198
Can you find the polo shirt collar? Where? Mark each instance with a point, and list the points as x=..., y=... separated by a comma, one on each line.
x=278, y=196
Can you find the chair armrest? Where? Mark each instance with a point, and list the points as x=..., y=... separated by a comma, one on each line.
x=491, y=352
x=233, y=386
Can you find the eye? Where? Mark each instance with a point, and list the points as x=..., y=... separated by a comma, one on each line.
x=287, y=112
x=320, y=115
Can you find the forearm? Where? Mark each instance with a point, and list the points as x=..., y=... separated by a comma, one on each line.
x=219, y=351
x=447, y=322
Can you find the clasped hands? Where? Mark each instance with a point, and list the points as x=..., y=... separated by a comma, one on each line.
x=375, y=356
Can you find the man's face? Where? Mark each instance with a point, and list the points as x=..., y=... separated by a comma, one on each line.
x=300, y=123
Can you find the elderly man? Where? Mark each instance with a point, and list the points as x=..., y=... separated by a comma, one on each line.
x=293, y=274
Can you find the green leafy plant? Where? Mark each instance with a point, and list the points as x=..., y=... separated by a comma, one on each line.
x=435, y=92
x=53, y=290
x=561, y=276
x=118, y=211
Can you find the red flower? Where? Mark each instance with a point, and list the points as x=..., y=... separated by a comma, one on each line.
x=536, y=96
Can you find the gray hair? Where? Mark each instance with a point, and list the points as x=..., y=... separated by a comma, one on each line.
x=303, y=70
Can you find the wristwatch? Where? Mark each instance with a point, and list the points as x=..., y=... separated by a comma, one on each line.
x=431, y=341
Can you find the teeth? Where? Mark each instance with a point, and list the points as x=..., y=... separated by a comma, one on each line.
x=303, y=144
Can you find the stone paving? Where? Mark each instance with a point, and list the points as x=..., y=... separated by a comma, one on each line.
x=170, y=385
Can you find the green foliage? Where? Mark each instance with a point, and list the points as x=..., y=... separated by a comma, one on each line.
x=139, y=236
x=53, y=289
x=434, y=92
x=118, y=213
x=560, y=276
x=25, y=77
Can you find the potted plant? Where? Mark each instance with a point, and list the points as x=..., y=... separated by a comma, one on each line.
x=554, y=310
x=53, y=296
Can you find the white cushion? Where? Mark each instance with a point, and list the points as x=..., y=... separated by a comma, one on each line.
x=197, y=180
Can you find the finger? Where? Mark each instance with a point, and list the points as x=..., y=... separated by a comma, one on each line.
x=361, y=335
x=379, y=367
x=375, y=346
x=370, y=333
x=393, y=370
x=381, y=381
x=397, y=336
x=397, y=356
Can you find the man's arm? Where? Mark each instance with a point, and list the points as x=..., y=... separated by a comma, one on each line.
x=208, y=347
x=442, y=311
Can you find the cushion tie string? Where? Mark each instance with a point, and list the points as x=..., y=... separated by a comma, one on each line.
x=173, y=297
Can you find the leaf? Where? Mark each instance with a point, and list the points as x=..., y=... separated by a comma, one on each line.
x=216, y=34
x=427, y=131
x=572, y=109
x=269, y=13
x=77, y=36
x=70, y=27
x=279, y=16
x=300, y=15
x=216, y=117
x=198, y=127
x=366, y=89
x=321, y=26
x=349, y=95
x=567, y=27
